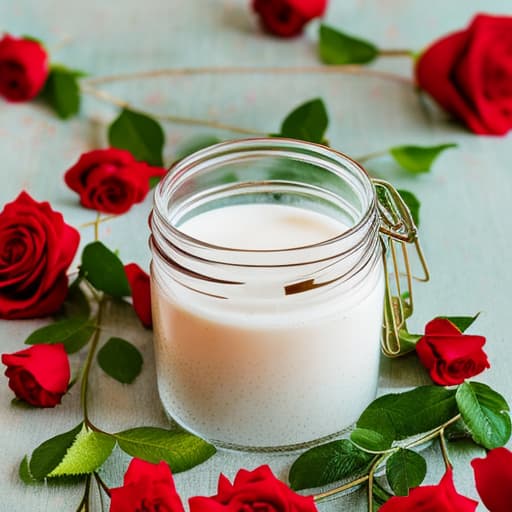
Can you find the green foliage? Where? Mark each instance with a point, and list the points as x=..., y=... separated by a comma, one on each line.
x=398, y=416
x=328, y=463
x=48, y=455
x=308, y=122
x=462, y=322
x=195, y=144
x=336, y=47
x=405, y=469
x=413, y=203
x=74, y=333
x=180, y=449
x=24, y=472
x=418, y=159
x=62, y=91
x=87, y=453
x=139, y=134
x=104, y=270
x=486, y=414
x=120, y=359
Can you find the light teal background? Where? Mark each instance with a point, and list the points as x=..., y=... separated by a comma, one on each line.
x=466, y=223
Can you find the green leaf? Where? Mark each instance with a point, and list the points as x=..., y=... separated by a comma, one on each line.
x=418, y=159
x=74, y=333
x=461, y=322
x=62, y=91
x=76, y=304
x=338, y=48
x=120, y=359
x=485, y=413
x=180, y=449
x=24, y=472
x=308, y=122
x=328, y=463
x=405, y=469
x=104, y=270
x=195, y=144
x=413, y=203
x=48, y=455
x=400, y=415
x=139, y=134
x=88, y=452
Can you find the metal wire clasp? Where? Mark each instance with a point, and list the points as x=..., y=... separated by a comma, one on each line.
x=397, y=232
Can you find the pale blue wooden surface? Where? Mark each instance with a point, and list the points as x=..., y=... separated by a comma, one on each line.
x=466, y=216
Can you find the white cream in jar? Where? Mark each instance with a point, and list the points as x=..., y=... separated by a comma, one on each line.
x=267, y=312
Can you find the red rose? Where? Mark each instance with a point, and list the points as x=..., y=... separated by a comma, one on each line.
x=36, y=249
x=141, y=293
x=450, y=355
x=253, y=491
x=23, y=68
x=110, y=180
x=493, y=477
x=286, y=18
x=38, y=375
x=469, y=73
x=146, y=487
x=439, y=498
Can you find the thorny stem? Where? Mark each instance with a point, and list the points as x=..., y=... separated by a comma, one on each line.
x=256, y=70
x=109, y=98
x=371, y=156
x=97, y=226
x=396, y=52
x=370, y=475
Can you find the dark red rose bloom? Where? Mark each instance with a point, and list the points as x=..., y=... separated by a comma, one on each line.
x=36, y=249
x=141, y=293
x=429, y=498
x=147, y=487
x=38, y=375
x=110, y=180
x=23, y=68
x=253, y=491
x=450, y=356
x=493, y=477
x=469, y=73
x=286, y=18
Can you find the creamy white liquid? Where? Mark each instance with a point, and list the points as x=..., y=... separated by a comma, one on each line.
x=238, y=375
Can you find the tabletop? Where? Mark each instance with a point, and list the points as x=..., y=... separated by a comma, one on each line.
x=466, y=199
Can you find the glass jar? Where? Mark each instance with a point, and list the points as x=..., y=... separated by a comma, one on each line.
x=267, y=348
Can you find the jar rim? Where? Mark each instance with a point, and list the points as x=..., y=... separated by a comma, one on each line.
x=186, y=166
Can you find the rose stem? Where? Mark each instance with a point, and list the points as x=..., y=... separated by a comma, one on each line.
x=235, y=70
x=371, y=156
x=341, y=488
x=444, y=449
x=102, y=484
x=401, y=52
x=98, y=221
x=103, y=95
x=84, y=504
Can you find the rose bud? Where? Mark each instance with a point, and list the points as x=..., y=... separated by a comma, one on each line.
x=110, y=180
x=286, y=18
x=253, y=490
x=36, y=249
x=469, y=73
x=450, y=355
x=442, y=497
x=493, y=477
x=23, y=68
x=38, y=375
x=141, y=293
x=146, y=487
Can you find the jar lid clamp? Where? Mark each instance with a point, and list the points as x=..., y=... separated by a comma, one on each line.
x=397, y=231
